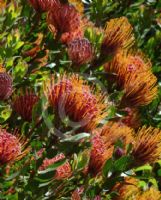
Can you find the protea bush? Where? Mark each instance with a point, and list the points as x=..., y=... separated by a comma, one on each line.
x=79, y=100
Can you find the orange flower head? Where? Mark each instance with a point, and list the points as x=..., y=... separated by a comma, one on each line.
x=134, y=76
x=118, y=35
x=78, y=5
x=5, y=86
x=23, y=104
x=103, y=144
x=11, y=147
x=71, y=97
x=63, y=171
x=80, y=51
x=124, y=65
x=44, y=5
x=140, y=90
x=137, y=62
x=2, y=69
x=113, y=131
x=2, y=5
x=68, y=37
x=151, y=194
x=132, y=118
x=67, y=21
x=127, y=190
x=147, y=146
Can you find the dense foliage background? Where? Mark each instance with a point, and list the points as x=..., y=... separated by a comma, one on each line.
x=30, y=53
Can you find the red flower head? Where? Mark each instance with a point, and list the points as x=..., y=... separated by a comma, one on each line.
x=5, y=86
x=63, y=171
x=99, y=154
x=23, y=104
x=73, y=98
x=80, y=51
x=11, y=147
x=103, y=144
x=44, y=5
x=67, y=21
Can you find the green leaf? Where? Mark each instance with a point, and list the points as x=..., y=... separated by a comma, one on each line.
x=76, y=138
x=142, y=168
x=14, y=175
x=159, y=172
x=122, y=164
x=107, y=167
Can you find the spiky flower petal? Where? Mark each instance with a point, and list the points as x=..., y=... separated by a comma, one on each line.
x=63, y=171
x=78, y=5
x=100, y=152
x=103, y=144
x=140, y=90
x=127, y=190
x=11, y=147
x=5, y=86
x=44, y=5
x=147, y=146
x=71, y=97
x=23, y=104
x=80, y=51
x=112, y=132
x=67, y=21
x=118, y=35
x=134, y=76
x=151, y=194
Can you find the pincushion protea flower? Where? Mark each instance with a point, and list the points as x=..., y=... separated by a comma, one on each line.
x=2, y=5
x=2, y=69
x=5, y=86
x=63, y=171
x=44, y=5
x=11, y=147
x=140, y=90
x=147, y=146
x=125, y=64
x=113, y=131
x=67, y=21
x=80, y=51
x=150, y=194
x=127, y=190
x=23, y=104
x=71, y=97
x=134, y=76
x=118, y=35
x=78, y=5
x=100, y=152
x=103, y=144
